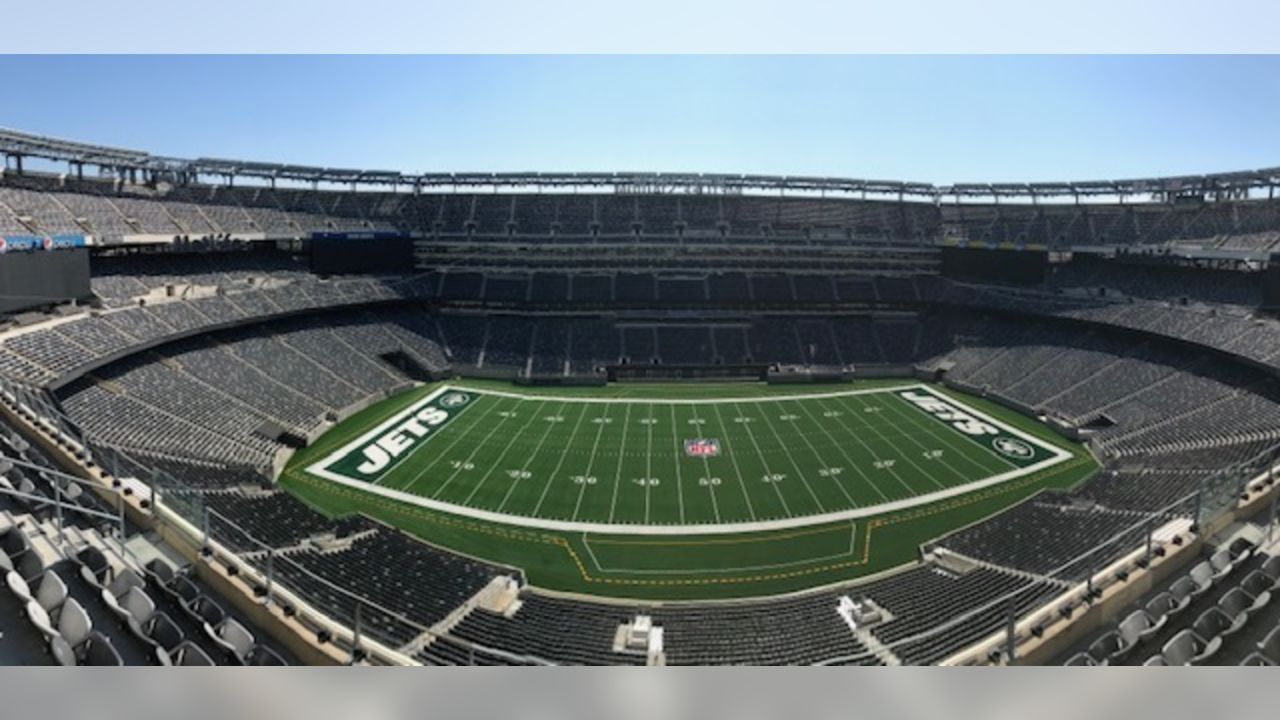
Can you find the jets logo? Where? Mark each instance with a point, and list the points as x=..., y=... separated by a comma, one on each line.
x=454, y=399
x=1012, y=448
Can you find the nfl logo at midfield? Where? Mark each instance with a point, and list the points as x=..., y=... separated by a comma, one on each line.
x=701, y=448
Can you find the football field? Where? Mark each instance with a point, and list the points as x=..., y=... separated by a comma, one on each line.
x=671, y=486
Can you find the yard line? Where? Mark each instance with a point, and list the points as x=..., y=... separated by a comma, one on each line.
x=537, y=449
x=443, y=453
x=944, y=436
x=787, y=451
x=474, y=450
x=852, y=463
x=853, y=432
x=591, y=461
x=617, y=476
x=706, y=464
x=675, y=439
x=648, y=465
x=805, y=437
x=560, y=463
x=927, y=474
x=760, y=454
x=919, y=420
x=502, y=456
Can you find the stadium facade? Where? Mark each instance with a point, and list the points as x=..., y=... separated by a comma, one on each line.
x=181, y=334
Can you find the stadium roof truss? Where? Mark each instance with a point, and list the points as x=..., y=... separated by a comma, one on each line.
x=17, y=145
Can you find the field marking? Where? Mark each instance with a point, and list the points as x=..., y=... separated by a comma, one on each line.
x=914, y=417
x=534, y=454
x=874, y=455
x=503, y=455
x=573, y=435
x=795, y=466
x=1057, y=456
x=320, y=467
x=648, y=464
x=591, y=461
x=675, y=440
x=763, y=462
x=687, y=401
x=839, y=485
x=472, y=456
x=706, y=465
x=418, y=476
x=852, y=463
x=848, y=552
x=903, y=455
x=622, y=450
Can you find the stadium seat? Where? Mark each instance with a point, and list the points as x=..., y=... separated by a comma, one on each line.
x=234, y=638
x=206, y=611
x=1238, y=604
x=1271, y=568
x=1259, y=586
x=1202, y=576
x=1188, y=648
x=74, y=629
x=1241, y=549
x=1139, y=626
x=1109, y=647
x=94, y=567
x=1164, y=606
x=1269, y=646
x=188, y=654
x=164, y=636
x=98, y=651
x=113, y=594
x=1256, y=659
x=1213, y=622
x=263, y=655
x=1081, y=659
x=51, y=591
x=1222, y=564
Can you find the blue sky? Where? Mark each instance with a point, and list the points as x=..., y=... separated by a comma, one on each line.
x=928, y=118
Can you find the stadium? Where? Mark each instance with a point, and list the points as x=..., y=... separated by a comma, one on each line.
x=265, y=414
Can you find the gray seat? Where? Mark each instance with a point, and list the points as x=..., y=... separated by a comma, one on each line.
x=1110, y=646
x=1188, y=648
x=1183, y=590
x=234, y=638
x=115, y=591
x=1237, y=602
x=1213, y=622
x=1139, y=626
x=50, y=591
x=1167, y=604
x=1271, y=568
x=74, y=629
x=1081, y=659
x=98, y=651
x=207, y=611
x=1156, y=660
x=1203, y=577
x=94, y=567
x=1222, y=564
x=1255, y=659
x=1269, y=646
x=1259, y=586
x=138, y=607
x=164, y=636
x=263, y=655
x=189, y=654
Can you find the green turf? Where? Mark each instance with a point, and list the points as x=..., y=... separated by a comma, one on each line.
x=794, y=458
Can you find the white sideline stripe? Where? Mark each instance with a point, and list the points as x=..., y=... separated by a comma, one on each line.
x=1058, y=455
x=687, y=401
